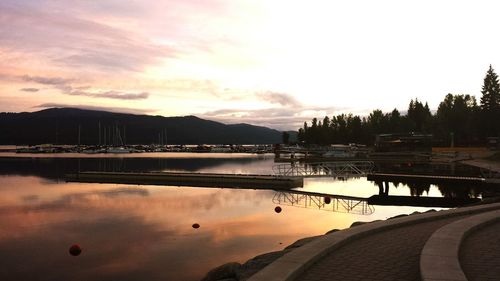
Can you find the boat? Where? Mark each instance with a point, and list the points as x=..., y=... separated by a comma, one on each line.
x=118, y=150
x=340, y=151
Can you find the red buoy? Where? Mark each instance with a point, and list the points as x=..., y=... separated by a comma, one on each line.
x=195, y=225
x=277, y=209
x=327, y=200
x=75, y=250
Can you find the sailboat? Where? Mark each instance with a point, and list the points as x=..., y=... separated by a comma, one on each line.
x=117, y=140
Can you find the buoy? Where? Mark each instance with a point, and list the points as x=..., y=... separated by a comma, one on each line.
x=327, y=200
x=195, y=225
x=75, y=250
x=277, y=209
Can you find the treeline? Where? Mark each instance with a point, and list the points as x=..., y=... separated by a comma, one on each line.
x=458, y=116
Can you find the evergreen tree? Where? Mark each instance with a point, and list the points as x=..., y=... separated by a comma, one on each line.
x=456, y=114
x=490, y=100
x=300, y=135
x=420, y=115
x=490, y=104
x=285, y=137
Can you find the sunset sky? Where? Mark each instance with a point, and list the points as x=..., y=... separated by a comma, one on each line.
x=274, y=63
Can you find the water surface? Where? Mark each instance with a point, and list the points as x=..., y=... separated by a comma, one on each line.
x=131, y=232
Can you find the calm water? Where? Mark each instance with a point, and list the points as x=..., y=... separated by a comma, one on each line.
x=131, y=232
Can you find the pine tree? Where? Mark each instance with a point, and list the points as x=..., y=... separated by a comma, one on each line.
x=490, y=101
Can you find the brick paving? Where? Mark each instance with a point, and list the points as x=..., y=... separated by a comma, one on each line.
x=480, y=254
x=388, y=255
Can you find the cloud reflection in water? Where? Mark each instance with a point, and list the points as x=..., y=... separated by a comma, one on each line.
x=139, y=232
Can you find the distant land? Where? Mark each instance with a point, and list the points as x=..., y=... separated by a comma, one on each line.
x=64, y=125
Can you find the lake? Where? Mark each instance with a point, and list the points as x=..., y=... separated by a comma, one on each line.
x=131, y=232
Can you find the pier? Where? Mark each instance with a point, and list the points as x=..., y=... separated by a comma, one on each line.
x=190, y=179
x=420, y=201
x=424, y=178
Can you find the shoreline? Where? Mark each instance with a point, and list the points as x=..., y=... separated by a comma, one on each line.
x=234, y=271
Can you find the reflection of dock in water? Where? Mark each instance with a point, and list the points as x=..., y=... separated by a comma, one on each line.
x=190, y=179
x=360, y=205
x=325, y=202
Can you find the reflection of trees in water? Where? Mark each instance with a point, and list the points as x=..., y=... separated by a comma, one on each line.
x=458, y=190
x=445, y=169
x=418, y=188
x=454, y=190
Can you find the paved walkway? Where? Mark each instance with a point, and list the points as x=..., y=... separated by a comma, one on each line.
x=388, y=255
x=480, y=254
x=392, y=250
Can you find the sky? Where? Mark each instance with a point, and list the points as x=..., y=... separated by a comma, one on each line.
x=271, y=63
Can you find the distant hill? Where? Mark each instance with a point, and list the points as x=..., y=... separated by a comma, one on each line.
x=61, y=126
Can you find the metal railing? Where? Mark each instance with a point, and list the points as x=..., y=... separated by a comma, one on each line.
x=325, y=169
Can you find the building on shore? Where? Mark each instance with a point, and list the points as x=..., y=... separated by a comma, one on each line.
x=415, y=142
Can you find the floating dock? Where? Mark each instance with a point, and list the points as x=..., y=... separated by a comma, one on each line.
x=424, y=178
x=190, y=179
x=422, y=201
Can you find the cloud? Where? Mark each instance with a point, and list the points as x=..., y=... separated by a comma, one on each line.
x=63, y=84
x=282, y=118
x=46, y=80
x=98, y=108
x=107, y=94
x=287, y=113
x=76, y=40
x=30, y=90
x=282, y=99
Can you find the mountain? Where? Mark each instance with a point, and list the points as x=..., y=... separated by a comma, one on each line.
x=63, y=125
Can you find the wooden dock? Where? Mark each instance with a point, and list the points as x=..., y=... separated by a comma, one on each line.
x=422, y=201
x=190, y=179
x=424, y=178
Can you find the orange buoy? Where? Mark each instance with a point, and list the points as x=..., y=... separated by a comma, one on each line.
x=75, y=250
x=196, y=225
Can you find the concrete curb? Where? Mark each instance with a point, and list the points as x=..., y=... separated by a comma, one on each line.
x=439, y=259
x=291, y=265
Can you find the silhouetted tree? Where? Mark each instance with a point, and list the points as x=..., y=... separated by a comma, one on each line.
x=420, y=115
x=285, y=136
x=301, y=135
x=457, y=114
x=490, y=100
x=490, y=104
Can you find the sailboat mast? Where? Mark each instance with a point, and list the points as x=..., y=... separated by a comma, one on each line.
x=99, y=130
